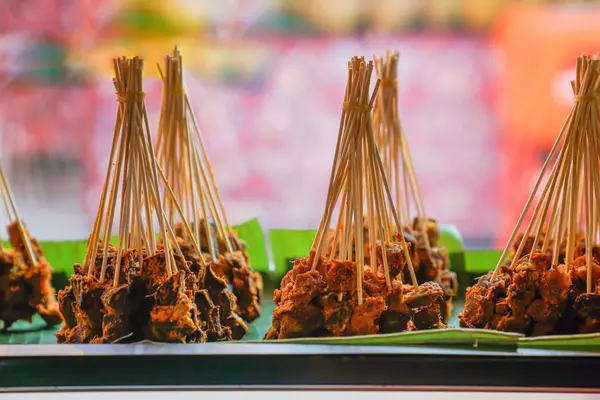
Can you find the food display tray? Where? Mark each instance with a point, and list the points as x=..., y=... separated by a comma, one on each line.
x=260, y=366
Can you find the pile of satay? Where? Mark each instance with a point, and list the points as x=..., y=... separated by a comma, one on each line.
x=25, y=275
x=360, y=277
x=177, y=272
x=548, y=278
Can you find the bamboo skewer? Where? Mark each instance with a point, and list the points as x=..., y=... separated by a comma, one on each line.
x=132, y=180
x=13, y=215
x=182, y=153
x=391, y=139
x=571, y=197
x=358, y=186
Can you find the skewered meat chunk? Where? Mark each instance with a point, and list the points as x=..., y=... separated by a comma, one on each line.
x=554, y=292
x=426, y=295
x=115, y=323
x=395, y=258
x=365, y=316
x=424, y=302
x=588, y=312
x=17, y=241
x=246, y=288
x=25, y=287
x=226, y=303
x=236, y=326
x=449, y=283
x=429, y=318
x=481, y=300
x=396, y=301
x=312, y=304
x=297, y=321
x=83, y=301
x=150, y=304
x=209, y=314
x=374, y=284
x=431, y=228
x=232, y=267
x=307, y=287
x=534, y=298
x=337, y=312
x=154, y=271
x=431, y=264
x=171, y=319
x=341, y=276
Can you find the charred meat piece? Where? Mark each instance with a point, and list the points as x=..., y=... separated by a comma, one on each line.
x=84, y=303
x=481, y=300
x=554, y=291
x=396, y=300
x=428, y=318
x=210, y=317
x=587, y=306
x=171, y=319
x=527, y=278
x=15, y=291
x=306, y=287
x=426, y=295
x=341, y=276
x=17, y=241
x=236, y=325
x=395, y=258
x=431, y=228
x=514, y=322
x=431, y=263
x=245, y=287
x=337, y=312
x=449, y=283
x=115, y=323
x=300, y=266
x=155, y=273
x=43, y=295
x=398, y=315
x=373, y=283
x=226, y=303
x=365, y=317
x=25, y=288
x=297, y=321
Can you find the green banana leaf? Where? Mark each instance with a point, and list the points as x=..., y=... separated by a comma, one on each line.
x=252, y=233
x=34, y=332
x=479, y=262
x=62, y=255
x=289, y=244
x=583, y=341
x=455, y=336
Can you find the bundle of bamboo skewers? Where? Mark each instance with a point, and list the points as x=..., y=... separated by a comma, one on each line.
x=550, y=284
x=25, y=275
x=143, y=287
x=430, y=260
x=182, y=154
x=350, y=284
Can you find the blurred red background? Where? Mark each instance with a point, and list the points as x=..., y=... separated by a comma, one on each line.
x=483, y=93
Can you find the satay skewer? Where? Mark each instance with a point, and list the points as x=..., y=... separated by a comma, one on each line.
x=13, y=215
x=134, y=180
x=572, y=189
x=555, y=147
x=390, y=137
x=197, y=186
